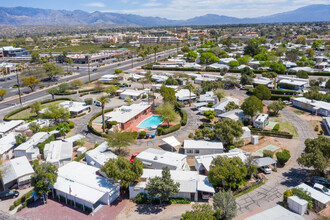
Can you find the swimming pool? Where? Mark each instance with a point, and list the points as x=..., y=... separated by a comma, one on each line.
x=149, y=122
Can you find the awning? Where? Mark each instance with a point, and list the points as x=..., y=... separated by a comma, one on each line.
x=172, y=141
x=204, y=185
x=200, y=104
x=264, y=161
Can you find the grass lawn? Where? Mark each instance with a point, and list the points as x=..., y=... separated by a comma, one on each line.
x=26, y=114
x=285, y=125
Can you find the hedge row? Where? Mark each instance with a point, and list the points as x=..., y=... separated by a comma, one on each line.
x=148, y=67
x=184, y=117
x=86, y=90
x=21, y=200
x=66, y=93
x=283, y=97
x=90, y=123
x=162, y=131
x=284, y=92
x=272, y=133
x=6, y=118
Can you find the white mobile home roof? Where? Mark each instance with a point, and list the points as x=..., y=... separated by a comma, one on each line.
x=206, y=160
x=276, y=213
x=100, y=154
x=190, y=181
x=83, y=182
x=132, y=93
x=74, y=138
x=161, y=156
x=7, y=142
x=184, y=94
x=223, y=103
x=192, y=144
x=7, y=126
x=317, y=195
x=33, y=141
x=315, y=103
x=75, y=106
x=172, y=141
x=126, y=113
x=16, y=168
x=56, y=151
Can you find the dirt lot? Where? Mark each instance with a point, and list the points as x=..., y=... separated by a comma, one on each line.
x=133, y=211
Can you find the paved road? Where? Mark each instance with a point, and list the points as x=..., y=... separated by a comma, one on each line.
x=271, y=192
x=43, y=95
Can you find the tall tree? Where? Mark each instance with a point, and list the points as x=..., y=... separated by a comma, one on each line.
x=30, y=82
x=191, y=88
x=123, y=170
x=225, y=205
x=167, y=113
x=57, y=112
x=276, y=106
x=167, y=93
x=220, y=94
x=35, y=108
x=316, y=154
x=229, y=130
x=103, y=100
x=120, y=140
x=199, y=212
x=231, y=106
x=3, y=92
x=52, y=70
x=52, y=91
x=262, y=92
x=252, y=105
x=45, y=176
x=227, y=172
x=162, y=187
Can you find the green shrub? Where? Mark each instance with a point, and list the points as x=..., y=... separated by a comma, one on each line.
x=20, y=208
x=90, y=127
x=83, y=94
x=272, y=133
x=184, y=117
x=160, y=130
x=179, y=201
x=41, y=146
x=12, y=207
x=142, y=134
x=141, y=198
x=287, y=193
x=89, y=101
x=191, y=136
x=268, y=153
x=276, y=127
x=42, y=86
x=71, y=124
x=316, y=128
x=170, y=129
x=303, y=195
x=283, y=157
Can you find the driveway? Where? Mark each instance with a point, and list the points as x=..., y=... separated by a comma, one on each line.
x=292, y=174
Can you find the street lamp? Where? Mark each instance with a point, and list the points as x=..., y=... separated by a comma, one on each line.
x=89, y=71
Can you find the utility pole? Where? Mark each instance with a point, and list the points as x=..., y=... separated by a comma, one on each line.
x=19, y=90
x=132, y=59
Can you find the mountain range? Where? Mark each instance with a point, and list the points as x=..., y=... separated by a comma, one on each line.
x=19, y=16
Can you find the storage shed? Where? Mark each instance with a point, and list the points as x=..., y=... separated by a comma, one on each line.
x=297, y=205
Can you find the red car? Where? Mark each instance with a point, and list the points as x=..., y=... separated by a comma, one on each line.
x=133, y=156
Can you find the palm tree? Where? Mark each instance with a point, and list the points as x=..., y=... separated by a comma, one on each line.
x=103, y=100
x=190, y=87
x=177, y=47
x=156, y=49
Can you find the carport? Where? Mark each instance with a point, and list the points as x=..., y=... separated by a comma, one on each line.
x=264, y=161
x=172, y=141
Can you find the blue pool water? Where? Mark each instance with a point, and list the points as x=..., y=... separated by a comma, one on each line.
x=149, y=122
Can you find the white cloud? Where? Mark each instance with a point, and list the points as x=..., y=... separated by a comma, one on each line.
x=152, y=3
x=95, y=4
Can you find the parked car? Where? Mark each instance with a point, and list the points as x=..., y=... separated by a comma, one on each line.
x=98, y=103
x=133, y=156
x=266, y=169
x=9, y=195
x=321, y=180
x=2, y=79
x=9, y=78
x=321, y=188
x=287, y=102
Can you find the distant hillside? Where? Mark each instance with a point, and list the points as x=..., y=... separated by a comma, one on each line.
x=18, y=16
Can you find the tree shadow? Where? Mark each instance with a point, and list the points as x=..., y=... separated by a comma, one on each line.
x=148, y=209
x=295, y=176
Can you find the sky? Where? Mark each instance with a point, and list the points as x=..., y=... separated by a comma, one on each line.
x=171, y=9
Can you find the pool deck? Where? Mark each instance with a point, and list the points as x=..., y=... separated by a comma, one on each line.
x=134, y=125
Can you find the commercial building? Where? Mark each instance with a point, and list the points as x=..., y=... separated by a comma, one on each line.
x=172, y=40
x=126, y=115
x=18, y=173
x=99, y=156
x=313, y=106
x=80, y=184
x=192, y=147
x=192, y=185
x=58, y=153
x=157, y=159
x=148, y=40
x=11, y=51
